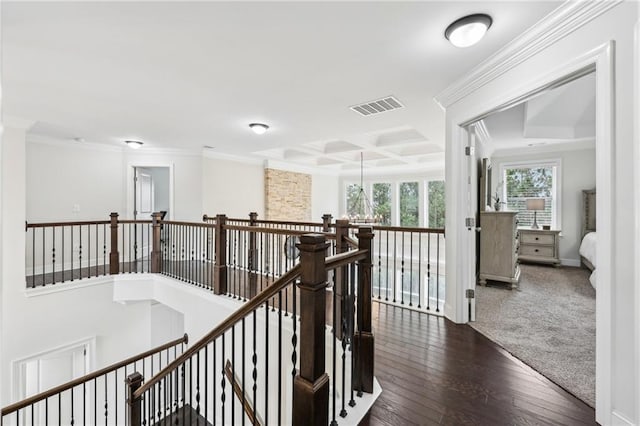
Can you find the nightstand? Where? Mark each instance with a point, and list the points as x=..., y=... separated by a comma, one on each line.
x=539, y=246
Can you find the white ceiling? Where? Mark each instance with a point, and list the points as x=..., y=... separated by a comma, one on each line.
x=564, y=115
x=186, y=75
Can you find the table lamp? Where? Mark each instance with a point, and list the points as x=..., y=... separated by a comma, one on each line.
x=535, y=204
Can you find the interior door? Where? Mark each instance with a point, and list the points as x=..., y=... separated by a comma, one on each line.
x=143, y=194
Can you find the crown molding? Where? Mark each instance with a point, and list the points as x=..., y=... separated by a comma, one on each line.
x=577, y=145
x=564, y=20
x=10, y=121
x=207, y=153
x=64, y=143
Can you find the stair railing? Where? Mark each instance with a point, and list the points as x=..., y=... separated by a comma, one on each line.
x=276, y=343
x=96, y=398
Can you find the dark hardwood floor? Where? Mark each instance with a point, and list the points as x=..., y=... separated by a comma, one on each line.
x=433, y=371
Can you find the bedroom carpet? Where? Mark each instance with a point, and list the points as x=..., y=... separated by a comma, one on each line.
x=549, y=323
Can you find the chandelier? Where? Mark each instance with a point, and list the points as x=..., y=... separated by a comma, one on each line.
x=362, y=203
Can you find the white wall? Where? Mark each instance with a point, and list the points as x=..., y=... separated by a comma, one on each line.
x=166, y=324
x=233, y=188
x=578, y=173
x=618, y=393
x=36, y=324
x=325, y=192
x=63, y=175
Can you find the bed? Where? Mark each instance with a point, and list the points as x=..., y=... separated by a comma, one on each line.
x=588, y=250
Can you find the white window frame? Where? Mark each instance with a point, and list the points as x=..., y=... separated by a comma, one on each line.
x=556, y=163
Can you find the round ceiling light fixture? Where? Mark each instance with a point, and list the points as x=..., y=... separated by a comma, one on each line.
x=468, y=30
x=134, y=144
x=259, y=128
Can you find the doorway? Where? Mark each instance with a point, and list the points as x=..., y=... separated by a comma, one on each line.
x=151, y=191
x=463, y=114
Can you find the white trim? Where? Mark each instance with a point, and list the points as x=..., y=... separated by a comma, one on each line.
x=618, y=419
x=602, y=58
x=207, y=153
x=15, y=122
x=69, y=285
x=564, y=20
x=65, y=143
x=579, y=145
x=89, y=343
x=557, y=183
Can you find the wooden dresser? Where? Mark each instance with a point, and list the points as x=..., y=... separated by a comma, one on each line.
x=499, y=248
x=539, y=246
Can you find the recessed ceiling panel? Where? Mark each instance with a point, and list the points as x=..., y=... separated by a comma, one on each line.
x=340, y=146
x=401, y=137
x=417, y=149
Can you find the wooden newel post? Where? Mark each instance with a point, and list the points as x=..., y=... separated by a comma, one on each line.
x=114, y=256
x=156, y=249
x=341, y=285
x=134, y=405
x=311, y=384
x=220, y=269
x=253, y=258
x=363, y=342
x=326, y=222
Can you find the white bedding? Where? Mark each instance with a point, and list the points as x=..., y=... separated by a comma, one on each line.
x=588, y=251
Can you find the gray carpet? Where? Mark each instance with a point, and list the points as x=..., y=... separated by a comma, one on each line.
x=549, y=323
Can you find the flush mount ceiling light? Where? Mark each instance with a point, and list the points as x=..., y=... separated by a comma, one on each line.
x=468, y=30
x=259, y=128
x=134, y=144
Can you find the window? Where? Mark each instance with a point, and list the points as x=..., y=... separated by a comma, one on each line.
x=409, y=201
x=355, y=201
x=435, y=192
x=381, y=201
x=523, y=181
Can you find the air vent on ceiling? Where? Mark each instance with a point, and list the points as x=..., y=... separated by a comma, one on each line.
x=388, y=103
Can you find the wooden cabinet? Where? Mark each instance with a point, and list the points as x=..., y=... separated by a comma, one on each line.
x=499, y=248
x=539, y=246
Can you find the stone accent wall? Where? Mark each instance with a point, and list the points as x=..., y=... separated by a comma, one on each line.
x=287, y=195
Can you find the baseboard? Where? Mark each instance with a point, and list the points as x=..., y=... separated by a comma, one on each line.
x=570, y=262
x=618, y=419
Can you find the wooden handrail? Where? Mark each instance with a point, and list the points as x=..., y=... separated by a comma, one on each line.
x=229, y=322
x=142, y=221
x=346, y=258
x=280, y=231
x=53, y=224
x=86, y=378
x=400, y=228
x=183, y=223
x=352, y=242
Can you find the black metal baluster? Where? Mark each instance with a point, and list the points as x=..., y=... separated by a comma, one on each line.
x=380, y=267
x=43, y=256
x=33, y=257
x=72, y=408
x=88, y=250
x=411, y=269
x=266, y=366
x=222, y=383
x=280, y=357
x=254, y=374
x=206, y=381
x=106, y=404
x=244, y=399
x=420, y=269
x=59, y=409
x=402, y=271
x=104, y=249
x=386, y=292
x=198, y=382
x=334, y=375
x=95, y=401
x=115, y=400
x=71, y=254
x=395, y=271
x=214, y=378
x=438, y=273
x=62, y=254
x=233, y=369
x=428, y=271
x=53, y=254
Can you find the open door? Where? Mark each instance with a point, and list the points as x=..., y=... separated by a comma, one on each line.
x=143, y=194
x=472, y=219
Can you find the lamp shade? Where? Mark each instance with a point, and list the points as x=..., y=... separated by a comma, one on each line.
x=535, y=204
